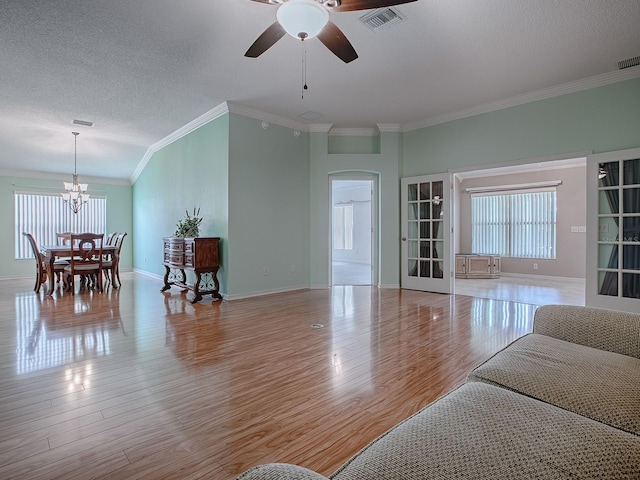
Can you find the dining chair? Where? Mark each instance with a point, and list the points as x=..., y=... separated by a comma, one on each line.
x=111, y=267
x=111, y=238
x=86, y=260
x=63, y=238
x=41, y=267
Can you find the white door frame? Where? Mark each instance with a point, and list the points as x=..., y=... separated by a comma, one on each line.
x=375, y=228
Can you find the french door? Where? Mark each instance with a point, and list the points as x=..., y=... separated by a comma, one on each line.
x=426, y=233
x=613, y=227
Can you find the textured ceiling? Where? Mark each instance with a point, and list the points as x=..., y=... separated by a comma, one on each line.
x=141, y=69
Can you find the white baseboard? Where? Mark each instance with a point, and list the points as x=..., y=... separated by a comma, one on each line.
x=264, y=292
x=541, y=277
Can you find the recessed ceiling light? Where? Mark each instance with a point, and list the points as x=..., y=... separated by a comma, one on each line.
x=83, y=122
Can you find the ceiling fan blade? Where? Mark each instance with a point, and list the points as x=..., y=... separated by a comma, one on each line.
x=334, y=40
x=265, y=41
x=351, y=5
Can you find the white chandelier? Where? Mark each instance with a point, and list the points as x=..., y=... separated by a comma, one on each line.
x=76, y=193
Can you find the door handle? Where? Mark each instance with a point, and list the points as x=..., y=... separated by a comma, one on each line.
x=404, y=239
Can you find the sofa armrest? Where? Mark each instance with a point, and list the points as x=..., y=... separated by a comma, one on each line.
x=609, y=330
x=280, y=471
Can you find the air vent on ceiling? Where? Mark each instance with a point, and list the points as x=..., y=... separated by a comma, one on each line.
x=630, y=62
x=83, y=122
x=382, y=18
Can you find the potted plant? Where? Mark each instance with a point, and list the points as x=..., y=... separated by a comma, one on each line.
x=190, y=225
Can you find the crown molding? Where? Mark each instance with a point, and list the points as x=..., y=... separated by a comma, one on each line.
x=266, y=117
x=389, y=127
x=203, y=119
x=232, y=107
x=320, y=127
x=353, y=132
x=63, y=177
x=543, y=94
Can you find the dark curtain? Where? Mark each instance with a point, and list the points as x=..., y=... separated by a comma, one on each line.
x=611, y=178
x=413, y=271
x=631, y=230
x=436, y=190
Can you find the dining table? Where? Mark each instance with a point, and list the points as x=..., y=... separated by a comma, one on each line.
x=51, y=253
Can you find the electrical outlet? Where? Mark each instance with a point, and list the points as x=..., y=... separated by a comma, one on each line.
x=266, y=271
x=293, y=268
x=535, y=266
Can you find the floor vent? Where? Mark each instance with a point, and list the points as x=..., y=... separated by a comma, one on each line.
x=382, y=18
x=630, y=62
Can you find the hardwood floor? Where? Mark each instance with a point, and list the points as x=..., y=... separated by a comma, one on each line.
x=134, y=383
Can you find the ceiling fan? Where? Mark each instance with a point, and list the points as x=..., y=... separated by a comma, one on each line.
x=304, y=19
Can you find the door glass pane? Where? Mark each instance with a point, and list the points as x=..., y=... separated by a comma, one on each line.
x=608, y=283
x=631, y=257
x=413, y=268
x=631, y=285
x=631, y=170
x=437, y=210
x=425, y=271
x=425, y=249
x=608, y=201
x=631, y=200
x=425, y=230
x=413, y=230
x=438, y=269
x=439, y=249
x=412, y=211
x=631, y=229
x=438, y=230
x=413, y=249
x=607, y=229
x=424, y=210
x=412, y=192
x=608, y=174
x=425, y=191
x=607, y=256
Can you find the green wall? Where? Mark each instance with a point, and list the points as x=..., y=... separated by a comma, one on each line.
x=119, y=217
x=190, y=172
x=384, y=164
x=600, y=119
x=251, y=185
x=269, y=208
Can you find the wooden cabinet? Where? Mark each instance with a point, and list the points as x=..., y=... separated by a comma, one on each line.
x=199, y=255
x=477, y=266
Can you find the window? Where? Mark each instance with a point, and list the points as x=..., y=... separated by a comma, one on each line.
x=343, y=227
x=514, y=224
x=45, y=215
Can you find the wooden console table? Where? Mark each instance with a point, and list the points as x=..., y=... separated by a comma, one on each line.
x=477, y=266
x=199, y=255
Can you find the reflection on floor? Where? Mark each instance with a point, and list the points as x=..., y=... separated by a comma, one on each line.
x=531, y=289
x=350, y=273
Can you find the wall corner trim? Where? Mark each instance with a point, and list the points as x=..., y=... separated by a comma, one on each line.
x=193, y=125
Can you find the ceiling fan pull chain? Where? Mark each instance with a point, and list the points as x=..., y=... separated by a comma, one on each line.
x=304, y=68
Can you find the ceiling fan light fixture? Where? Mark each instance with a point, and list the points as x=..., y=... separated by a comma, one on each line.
x=302, y=18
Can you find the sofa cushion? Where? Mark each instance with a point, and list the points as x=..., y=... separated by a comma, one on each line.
x=280, y=471
x=481, y=431
x=600, y=385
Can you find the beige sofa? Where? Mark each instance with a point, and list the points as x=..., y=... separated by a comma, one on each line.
x=561, y=402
